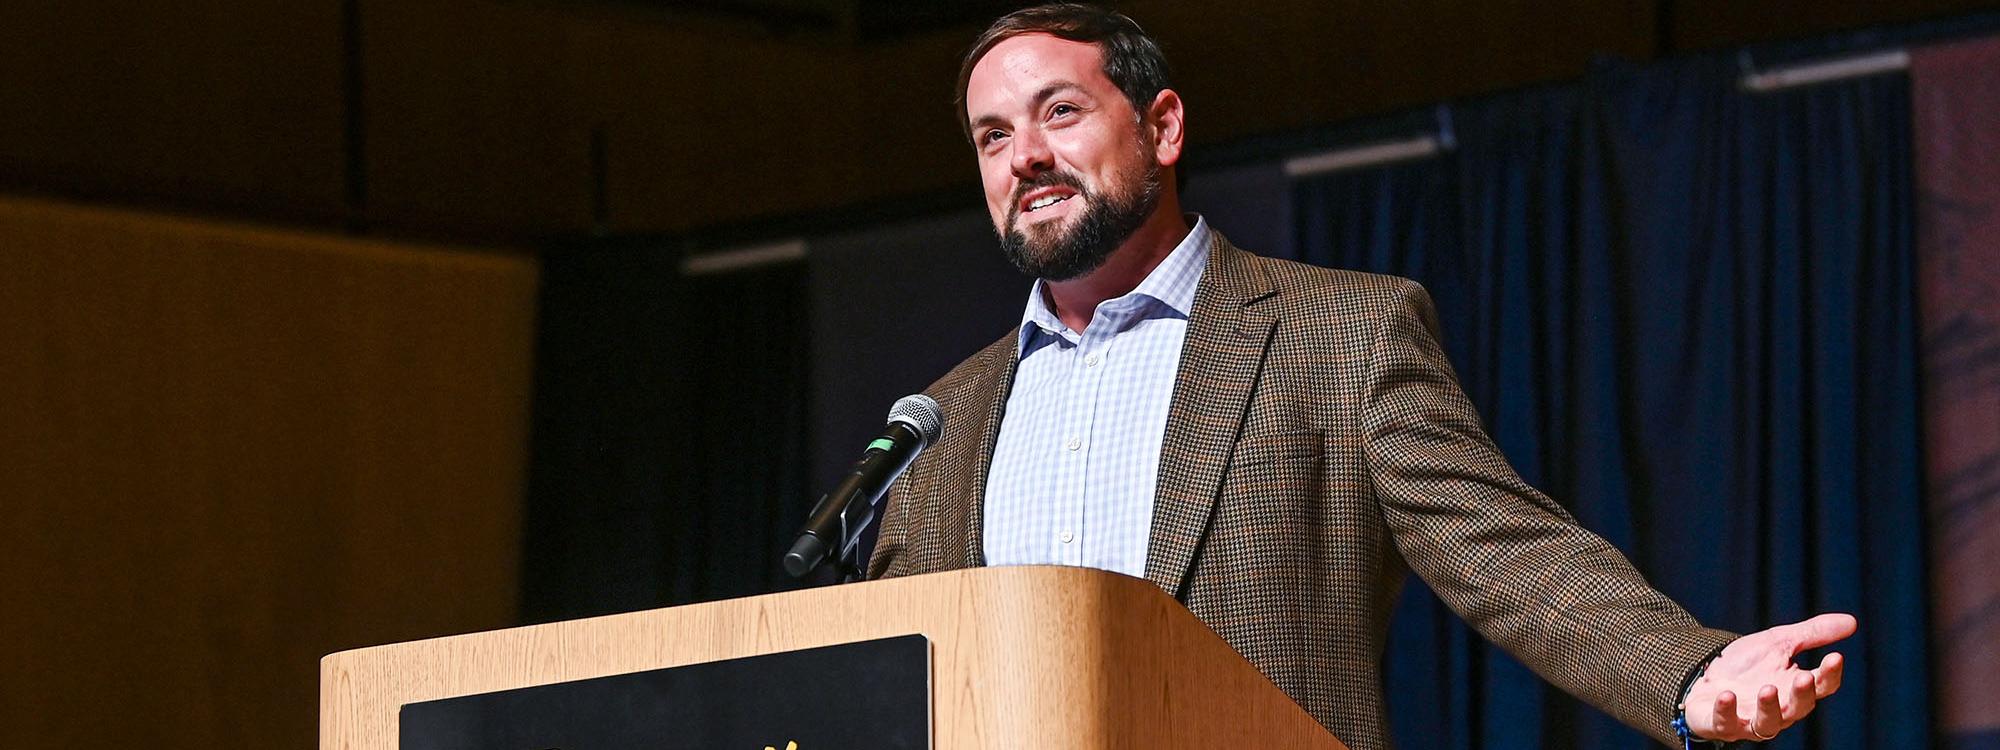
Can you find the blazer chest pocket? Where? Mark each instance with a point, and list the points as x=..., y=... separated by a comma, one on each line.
x=1294, y=448
x=1271, y=485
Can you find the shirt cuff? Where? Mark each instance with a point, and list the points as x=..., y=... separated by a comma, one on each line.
x=1688, y=740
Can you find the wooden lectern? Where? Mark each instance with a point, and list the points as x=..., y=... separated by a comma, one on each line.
x=1020, y=657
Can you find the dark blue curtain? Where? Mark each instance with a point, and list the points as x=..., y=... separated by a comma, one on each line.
x=1687, y=312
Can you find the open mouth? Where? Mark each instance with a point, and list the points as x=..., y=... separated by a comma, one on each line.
x=1045, y=191
x=1046, y=201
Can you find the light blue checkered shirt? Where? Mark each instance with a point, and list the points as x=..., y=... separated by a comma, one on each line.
x=1079, y=450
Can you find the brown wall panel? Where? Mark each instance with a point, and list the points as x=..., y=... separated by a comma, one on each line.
x=521, y=119
x=228, y=452
x=1300, y=63
x=705, y=120
x=1704, y=24
x=207, y=104
x=708, y=122
x=469, y=123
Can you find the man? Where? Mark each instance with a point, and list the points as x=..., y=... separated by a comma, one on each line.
x=1274, y=444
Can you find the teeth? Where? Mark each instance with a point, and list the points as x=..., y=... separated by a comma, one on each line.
x=1046, y=201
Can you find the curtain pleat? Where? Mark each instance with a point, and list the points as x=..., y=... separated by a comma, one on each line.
x=1686, y=311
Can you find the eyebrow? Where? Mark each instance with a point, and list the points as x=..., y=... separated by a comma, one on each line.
x=1046, y=92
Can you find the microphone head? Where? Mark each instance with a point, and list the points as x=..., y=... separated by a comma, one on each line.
x=922, y=414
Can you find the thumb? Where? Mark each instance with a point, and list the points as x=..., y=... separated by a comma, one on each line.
x=1822, y=630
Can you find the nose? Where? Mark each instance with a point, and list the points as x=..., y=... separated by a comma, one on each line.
x=1031, y=154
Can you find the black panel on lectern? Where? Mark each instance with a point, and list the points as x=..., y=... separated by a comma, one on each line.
x=872, y=694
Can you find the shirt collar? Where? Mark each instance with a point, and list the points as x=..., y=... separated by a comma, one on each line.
x=1171, y=283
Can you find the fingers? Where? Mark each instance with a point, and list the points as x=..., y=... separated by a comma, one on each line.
x=1803, y=698
x=1725, y=722
x=1770, y=717
x=1822, y=630
x=1826, y=678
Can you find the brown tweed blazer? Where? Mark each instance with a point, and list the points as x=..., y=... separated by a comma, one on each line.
x=1318, y=446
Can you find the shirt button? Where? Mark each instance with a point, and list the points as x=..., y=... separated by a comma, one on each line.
x=1066, y=537
x=1090, y=361
x=1073, y=444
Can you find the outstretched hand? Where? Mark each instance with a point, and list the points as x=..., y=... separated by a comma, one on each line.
x=1753, y=691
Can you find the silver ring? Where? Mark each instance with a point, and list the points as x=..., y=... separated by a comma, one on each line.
x=1760, y=737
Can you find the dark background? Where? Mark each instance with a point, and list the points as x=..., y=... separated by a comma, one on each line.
x=519, y=120
x=334, y=323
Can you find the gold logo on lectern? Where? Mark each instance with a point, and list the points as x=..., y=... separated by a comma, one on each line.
x=788, y=746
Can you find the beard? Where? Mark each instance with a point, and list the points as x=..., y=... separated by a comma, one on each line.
x=1066, y=249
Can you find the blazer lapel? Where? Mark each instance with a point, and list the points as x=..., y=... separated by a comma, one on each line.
x=987, y=388
x=1221, y=360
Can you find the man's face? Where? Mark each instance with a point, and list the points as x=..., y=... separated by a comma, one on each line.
x=1066, y=166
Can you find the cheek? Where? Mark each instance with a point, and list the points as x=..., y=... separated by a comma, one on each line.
x=999, y=190
x=1095, y=153
x=1089, y=171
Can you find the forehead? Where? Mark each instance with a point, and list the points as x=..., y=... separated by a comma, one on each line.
x=1017, y=69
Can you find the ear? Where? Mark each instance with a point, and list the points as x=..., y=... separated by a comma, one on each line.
x=1167, y=122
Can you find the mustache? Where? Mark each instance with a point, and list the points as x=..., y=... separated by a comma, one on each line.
x=1051, y=178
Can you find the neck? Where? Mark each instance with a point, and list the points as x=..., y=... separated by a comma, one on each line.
x=1075, y=301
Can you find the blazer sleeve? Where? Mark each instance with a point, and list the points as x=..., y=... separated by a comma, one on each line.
x=1504, y=556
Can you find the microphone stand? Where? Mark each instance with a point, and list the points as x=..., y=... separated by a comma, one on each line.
x=849, y=566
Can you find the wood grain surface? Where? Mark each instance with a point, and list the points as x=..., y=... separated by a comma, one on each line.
x=1023, y=657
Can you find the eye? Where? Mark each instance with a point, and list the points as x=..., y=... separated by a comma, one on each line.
x=992, y=136
x=1061, y=109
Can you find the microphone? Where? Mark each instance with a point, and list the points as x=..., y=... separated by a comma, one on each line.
x=915, y=422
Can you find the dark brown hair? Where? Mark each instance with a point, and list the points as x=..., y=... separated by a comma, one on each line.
x=1132, y=60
